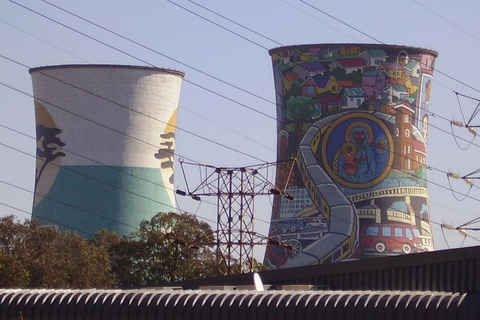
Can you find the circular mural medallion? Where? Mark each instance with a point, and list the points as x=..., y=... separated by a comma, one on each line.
x=357, y=150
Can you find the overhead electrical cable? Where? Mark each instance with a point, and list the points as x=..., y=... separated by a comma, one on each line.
x=8, y=86
x=220, y=26
x=446, y=20
x=302, y=1
x=440, y=185
x=236, y=23
x=321, y=21
x=342, y=22
x=143, y=46
x=182, y=107
x=154, y=51
x=57, y=223
x=120, y=105
x=211, y=91
x=69, y=205
x=100, y=97
x=381, y=42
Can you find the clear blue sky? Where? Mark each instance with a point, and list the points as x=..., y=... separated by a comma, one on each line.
x=219, y=112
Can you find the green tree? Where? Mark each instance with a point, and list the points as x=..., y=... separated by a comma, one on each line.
x=300, y=109
x=37, y=256
x=169, y=247
x=12, y=271
x=420, y=176
x=85, y=264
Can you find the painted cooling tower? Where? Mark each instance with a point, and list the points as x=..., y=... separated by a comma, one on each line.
x=354, y=118
x=105, y=145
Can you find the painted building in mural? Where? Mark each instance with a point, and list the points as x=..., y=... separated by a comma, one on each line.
x=105, y=145
x=354, y=117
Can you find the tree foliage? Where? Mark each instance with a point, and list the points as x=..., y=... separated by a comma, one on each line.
x=36, y=256
x=300, y=109
x=169, y=247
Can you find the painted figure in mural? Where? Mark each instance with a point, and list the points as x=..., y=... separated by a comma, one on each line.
x=425, y=127
x=425, y=106
x=349, y=153
x=356, y=160
x=48, y=147
x=165, y=154
x=428, y=87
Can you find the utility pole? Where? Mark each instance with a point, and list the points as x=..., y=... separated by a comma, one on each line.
x=235, y=189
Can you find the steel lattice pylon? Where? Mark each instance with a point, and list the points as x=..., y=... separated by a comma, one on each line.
x=235, y=189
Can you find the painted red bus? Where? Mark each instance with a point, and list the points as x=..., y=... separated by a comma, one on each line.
x=390, y=238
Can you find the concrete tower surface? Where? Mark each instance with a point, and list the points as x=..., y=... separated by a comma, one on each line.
x=105, y=145
x=355, y=118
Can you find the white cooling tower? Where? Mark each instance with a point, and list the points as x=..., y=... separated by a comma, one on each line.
x=105, y=145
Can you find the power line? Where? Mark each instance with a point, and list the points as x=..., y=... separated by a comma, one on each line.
x=222, y=145
x=234, y=22
x=96, y=123
x=42, y=15
x=95, y=179
x=446, y=20
x=218, y=25
x=150, y=64
x=182, y=107
x=211, y=91
x=342, y=22
x=125, y=38
x=156, y=52
x=381, y=42
x=117, y=104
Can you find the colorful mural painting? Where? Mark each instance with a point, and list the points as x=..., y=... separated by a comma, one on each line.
x=354, y=118
x=105, y=145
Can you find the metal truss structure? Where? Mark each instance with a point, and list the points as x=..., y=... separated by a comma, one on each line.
x=235, y=189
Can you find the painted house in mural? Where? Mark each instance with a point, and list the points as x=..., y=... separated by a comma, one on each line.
x=360, y=152
x=105, y=145
x=348, y=65
x=373, y=82
x=318, y=85
x=309, y=69
x=374, y=57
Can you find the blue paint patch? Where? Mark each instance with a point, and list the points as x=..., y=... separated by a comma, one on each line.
x=87, y=199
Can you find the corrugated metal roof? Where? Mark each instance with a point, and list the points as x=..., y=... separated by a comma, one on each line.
x=218, y=304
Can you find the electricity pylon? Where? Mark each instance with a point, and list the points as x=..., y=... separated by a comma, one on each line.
x=235, y=189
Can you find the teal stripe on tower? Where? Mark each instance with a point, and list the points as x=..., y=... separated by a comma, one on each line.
x=97, y=197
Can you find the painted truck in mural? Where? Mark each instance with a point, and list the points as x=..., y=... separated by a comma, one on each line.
x=355, y=119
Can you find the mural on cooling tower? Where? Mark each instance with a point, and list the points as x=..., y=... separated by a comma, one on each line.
x=354, y=117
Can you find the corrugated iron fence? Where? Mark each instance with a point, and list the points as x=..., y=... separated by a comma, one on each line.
x=169, y=304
